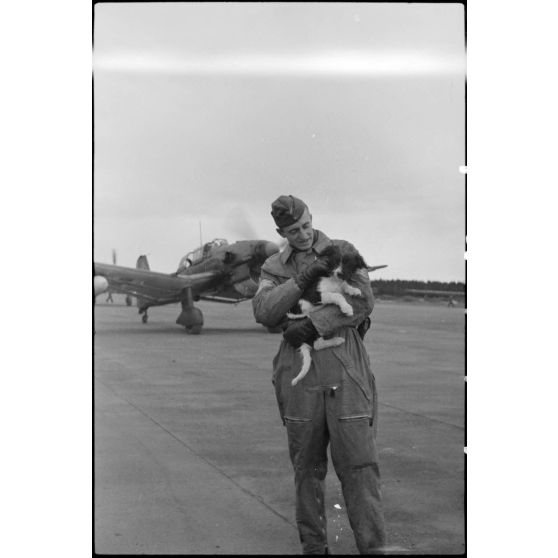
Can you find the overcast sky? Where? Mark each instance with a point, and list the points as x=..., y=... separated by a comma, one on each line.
x=207, y=112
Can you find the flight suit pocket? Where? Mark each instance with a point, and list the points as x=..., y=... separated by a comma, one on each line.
x=295, y=420
x=298, y=403
x=293, y=401
x=355, y=376
x=282, y=363
x=299, y=433
x=357, y=417
x=355, y=447
x=351, y=404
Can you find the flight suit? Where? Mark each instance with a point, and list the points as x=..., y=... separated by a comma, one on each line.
x=334, y=403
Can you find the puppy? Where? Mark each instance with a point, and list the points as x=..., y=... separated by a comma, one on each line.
x=328, y=290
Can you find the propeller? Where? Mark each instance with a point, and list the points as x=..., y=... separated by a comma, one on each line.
x=239, y=221
x=100, y=285
x=282, y=243
x=263, y=250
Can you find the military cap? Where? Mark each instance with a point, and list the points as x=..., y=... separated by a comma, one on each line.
x=287, y=210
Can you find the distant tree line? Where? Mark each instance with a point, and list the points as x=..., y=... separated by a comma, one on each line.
x=397, y=287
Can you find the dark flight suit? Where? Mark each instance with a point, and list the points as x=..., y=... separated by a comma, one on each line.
x=335, y=403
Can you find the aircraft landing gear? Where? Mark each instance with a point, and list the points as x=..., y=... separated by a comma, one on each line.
x=190, y=317
x=143, y=310
x=194, y=329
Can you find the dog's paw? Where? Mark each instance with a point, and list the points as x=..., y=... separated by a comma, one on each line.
x=353, y=291
x=322, y=343
x=347, y=309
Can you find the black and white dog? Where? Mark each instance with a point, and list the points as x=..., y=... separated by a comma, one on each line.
x=328, y=290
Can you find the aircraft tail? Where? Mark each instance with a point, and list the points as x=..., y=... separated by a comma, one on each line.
x=142, y=262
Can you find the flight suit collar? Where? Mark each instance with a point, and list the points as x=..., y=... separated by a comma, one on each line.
x=321, y=241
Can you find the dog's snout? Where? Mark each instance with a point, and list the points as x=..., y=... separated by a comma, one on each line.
x=338, y=272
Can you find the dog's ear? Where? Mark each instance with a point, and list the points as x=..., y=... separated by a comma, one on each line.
x=351, y=262
x=359, y=261
x=333, y=252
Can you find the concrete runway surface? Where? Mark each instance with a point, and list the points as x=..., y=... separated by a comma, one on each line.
x=190, y=455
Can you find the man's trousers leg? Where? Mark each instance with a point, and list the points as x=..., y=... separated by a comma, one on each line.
x=354, y=457
x=308, y=439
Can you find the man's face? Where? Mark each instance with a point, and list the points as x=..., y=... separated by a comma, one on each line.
x=300, y=234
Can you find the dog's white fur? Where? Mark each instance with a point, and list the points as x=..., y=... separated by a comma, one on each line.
x=331, y=289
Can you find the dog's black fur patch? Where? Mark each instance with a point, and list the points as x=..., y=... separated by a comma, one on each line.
x=350, y=261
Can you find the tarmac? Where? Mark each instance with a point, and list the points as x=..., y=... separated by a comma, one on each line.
x=190, y=454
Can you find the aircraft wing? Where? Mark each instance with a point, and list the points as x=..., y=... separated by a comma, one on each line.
x=153, y=286
x=224, y=299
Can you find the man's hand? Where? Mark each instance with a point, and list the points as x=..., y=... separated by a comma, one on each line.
x=301, y=331
x=321, y=267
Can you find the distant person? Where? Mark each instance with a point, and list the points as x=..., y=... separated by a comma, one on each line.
x=109, y=297
x=336, y=402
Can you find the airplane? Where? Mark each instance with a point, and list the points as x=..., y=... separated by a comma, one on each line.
x=216, y=271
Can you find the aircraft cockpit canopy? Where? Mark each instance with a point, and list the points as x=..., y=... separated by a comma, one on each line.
x=202, y=252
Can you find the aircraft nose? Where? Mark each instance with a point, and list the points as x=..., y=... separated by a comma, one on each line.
x=270, y=249
x=100, y=284
x=264, y=249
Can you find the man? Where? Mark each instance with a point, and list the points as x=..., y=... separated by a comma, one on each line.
x=336, y=402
